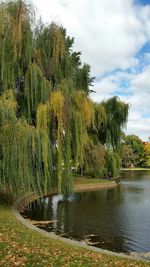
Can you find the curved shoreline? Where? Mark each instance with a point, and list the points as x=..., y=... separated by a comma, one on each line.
x=24, y=200
x=65, y=240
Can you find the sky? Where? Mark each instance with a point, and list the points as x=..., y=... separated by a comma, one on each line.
x=114, y=38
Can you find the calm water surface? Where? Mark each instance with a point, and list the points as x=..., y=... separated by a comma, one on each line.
x=115, y=219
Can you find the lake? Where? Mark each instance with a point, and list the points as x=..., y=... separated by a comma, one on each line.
x=115, y=219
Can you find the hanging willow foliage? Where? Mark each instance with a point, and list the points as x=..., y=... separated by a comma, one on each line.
x=8, y=107
x=56, y=108
x=110, y=117
x=25, y=163
x=47, y=121
x=83, y=116
x=16, y=43
x=16, y=156
x=51, y=50
x=94, y=158
x=37, y=89
x=112, y=164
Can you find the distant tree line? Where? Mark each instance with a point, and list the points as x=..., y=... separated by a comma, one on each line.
x=135, y=152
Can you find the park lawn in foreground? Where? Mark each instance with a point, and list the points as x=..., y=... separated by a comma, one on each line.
x=21, y=246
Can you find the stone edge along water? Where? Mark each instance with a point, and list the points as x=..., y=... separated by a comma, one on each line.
x=18, y=204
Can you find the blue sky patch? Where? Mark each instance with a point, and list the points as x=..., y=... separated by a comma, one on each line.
x=142, y=2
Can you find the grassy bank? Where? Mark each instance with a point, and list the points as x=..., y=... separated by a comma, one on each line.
x=77, y=180
x=136, y=169
x=83, y=183
x=21, y=246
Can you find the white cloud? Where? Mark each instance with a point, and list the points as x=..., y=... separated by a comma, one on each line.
x=141, y=82
x=139, y=115
x=118, y=81
x=108, y=33
x=144, y=16
x=139, y=126
x=104, y=88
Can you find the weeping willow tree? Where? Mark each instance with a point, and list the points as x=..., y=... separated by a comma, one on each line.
x=110, y=118
x=47, y=121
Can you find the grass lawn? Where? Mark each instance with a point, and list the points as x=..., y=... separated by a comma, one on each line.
x=21, y=246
